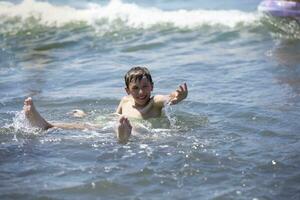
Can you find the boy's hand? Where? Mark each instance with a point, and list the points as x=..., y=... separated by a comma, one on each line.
x=180, y=94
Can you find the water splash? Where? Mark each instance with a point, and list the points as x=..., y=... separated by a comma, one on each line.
x=21, y=125
x=168, y=112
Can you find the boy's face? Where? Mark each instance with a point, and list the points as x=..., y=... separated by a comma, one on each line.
x=140, y=90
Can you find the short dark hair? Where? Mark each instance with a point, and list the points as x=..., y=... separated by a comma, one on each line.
x=137, y=73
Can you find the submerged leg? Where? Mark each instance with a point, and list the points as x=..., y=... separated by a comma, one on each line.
x=79, y=126
x=34, y=118
x=124, y=129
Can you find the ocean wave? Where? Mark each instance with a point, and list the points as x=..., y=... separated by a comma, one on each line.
x=282, y=28
x=117, y=12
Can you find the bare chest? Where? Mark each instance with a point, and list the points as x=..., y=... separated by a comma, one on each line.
x=130, y=111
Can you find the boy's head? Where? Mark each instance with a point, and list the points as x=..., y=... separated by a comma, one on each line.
x=139, y=85
x=136, y=74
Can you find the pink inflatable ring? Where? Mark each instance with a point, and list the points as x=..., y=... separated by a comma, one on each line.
x=280, y=8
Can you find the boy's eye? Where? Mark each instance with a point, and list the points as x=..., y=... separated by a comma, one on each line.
x=134, y=88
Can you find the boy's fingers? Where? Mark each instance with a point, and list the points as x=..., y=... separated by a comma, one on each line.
x=122, y=119
x=181, y=88
x=185, y=87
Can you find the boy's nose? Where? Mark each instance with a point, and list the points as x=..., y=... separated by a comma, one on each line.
x=141, y=91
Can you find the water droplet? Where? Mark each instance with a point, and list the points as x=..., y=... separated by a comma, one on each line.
x=143, y=146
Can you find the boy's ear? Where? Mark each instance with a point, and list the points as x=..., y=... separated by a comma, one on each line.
x=127, y=90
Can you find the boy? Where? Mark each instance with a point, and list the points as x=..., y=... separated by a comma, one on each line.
x=138, y=104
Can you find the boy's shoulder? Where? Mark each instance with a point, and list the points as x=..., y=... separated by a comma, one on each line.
x=126, y=99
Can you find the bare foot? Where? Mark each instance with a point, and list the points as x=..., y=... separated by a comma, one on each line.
x=124, y=129
x=34, y=118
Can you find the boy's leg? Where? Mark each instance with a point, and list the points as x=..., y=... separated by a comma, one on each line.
x=36, y=120
x=80, y=126
x=124, y=129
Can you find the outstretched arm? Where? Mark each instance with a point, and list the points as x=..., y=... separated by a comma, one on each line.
x=175, y=97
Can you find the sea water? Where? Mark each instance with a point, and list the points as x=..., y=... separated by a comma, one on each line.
x=236, y=136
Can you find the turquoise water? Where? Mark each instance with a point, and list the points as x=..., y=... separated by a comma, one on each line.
x=236, y=136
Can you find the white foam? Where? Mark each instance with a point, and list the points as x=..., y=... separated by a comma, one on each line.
x=21, y=124
x=130, y=14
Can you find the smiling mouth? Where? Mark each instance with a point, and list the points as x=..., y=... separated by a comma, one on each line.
x=142, y=98
x=142, y=101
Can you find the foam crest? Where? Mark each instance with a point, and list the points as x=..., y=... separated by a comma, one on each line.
x=129, y=14
x=46, y=13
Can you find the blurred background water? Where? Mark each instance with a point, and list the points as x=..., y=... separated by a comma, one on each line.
x=236, y=136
